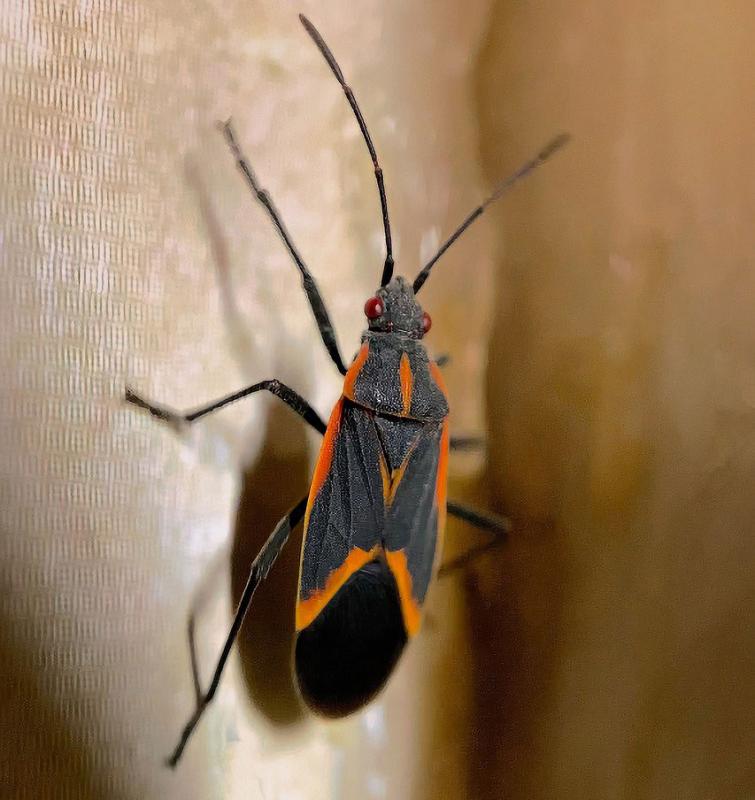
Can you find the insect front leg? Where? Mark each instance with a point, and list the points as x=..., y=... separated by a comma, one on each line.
x=322, y=318
x=178, y=419
x=259, y=570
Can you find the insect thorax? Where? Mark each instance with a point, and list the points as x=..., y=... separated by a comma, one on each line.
x=393, y=375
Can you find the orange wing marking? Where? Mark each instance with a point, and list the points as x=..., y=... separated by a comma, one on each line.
x=441, y=487
x=325, y=459
x=308, y=609
x=395, y=479
x=441, y=482
x=387, y=494
x=409, y=609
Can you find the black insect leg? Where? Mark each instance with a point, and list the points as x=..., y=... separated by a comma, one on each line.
x=498, y=526
x=274, y=386
x=464, y=443
x=467, y=558
x=324, y=325
x=194, y=662
x=260, y=568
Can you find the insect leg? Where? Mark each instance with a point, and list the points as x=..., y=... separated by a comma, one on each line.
x=194, y=663
x=316, y=303
x=461, y=561
x=274, y=386
x=260, y=567
x=466, y=443
x=499, y=526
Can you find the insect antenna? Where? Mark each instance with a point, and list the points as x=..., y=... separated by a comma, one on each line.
x=333, y=64
x=555, y=144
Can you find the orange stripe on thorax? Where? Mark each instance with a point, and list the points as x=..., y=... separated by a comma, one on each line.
x=407, y=384
x=351, y=376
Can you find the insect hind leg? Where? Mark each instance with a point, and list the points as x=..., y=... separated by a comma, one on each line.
x=258, y=572
x=490, y=523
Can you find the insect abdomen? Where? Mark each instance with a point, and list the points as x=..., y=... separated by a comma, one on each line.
x=345, y=656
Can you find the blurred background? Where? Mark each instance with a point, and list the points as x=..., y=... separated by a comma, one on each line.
x=600, y=321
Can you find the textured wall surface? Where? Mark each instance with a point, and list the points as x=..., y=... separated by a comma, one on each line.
x=131, y=251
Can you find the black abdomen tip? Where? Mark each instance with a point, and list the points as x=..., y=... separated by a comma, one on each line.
x=345, y=656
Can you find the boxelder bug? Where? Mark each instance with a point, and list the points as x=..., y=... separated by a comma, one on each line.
x=375, y=513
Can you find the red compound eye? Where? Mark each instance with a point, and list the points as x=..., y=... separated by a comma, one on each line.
x=373, y=308
x=427, y=322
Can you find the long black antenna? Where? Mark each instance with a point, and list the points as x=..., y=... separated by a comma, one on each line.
x=333, y=64
x=555, y=144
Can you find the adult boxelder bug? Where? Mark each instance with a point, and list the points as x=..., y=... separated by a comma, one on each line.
x=374, y=516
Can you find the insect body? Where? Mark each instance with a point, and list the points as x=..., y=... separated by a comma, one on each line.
x=375, y=512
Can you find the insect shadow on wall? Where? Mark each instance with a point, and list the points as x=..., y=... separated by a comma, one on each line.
x=375, y=512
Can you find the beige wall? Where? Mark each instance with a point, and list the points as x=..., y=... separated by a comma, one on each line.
x=607, y=307
x=621, y=387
